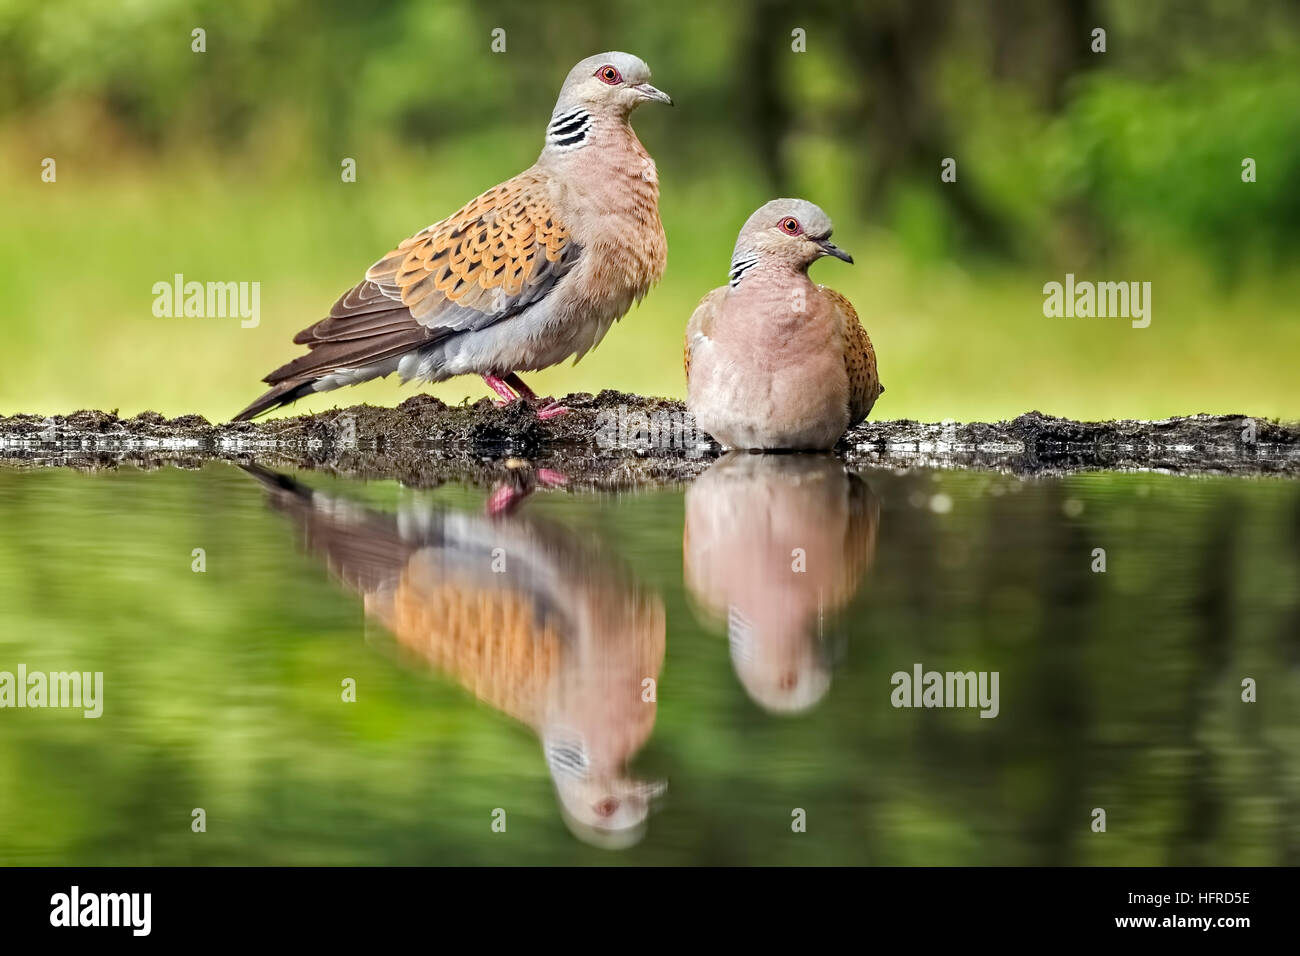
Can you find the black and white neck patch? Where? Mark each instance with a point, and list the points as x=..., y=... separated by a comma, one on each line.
x=569, y=130
x=567, y=758
x=740, y=265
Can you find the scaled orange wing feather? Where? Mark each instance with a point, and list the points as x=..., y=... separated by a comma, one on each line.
x=859, y=358
x=491, y=259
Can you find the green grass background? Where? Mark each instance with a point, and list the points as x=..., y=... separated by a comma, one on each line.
x=224, y=166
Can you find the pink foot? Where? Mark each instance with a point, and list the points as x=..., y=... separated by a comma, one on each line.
x=509, y=384
x=503, y=500
x=552, y=479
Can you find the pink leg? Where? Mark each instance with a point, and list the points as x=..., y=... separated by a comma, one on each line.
x=514, y=381
x=499, y=386
x=503, y=500
x=549, y=408
x=507, y=495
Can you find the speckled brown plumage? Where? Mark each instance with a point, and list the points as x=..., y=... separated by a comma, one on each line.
x=489, y=641
x=506, y=244
x=532, y=272
x=859, y=358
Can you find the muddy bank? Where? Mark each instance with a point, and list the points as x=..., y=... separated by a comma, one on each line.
x=618, y=440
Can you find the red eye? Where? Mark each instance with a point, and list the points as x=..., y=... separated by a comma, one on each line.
x=609, y=75
x=791, y=226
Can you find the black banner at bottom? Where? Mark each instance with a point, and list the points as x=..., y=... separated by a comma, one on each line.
x=335, y=904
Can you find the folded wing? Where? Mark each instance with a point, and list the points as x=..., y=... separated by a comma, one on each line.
x=859, y=358
x=492, y=259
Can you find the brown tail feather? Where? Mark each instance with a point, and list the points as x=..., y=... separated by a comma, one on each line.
x=282, y=394
x=292, y=381
x=327, y=357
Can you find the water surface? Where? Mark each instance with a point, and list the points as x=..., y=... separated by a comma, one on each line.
x=685, y=675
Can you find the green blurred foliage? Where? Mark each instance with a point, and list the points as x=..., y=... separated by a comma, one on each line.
x=225, y=165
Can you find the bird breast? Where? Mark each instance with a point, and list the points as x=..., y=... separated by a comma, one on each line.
x=612, y=199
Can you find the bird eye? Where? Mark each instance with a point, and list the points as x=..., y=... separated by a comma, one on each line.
x=609, y=75
x=791, y=226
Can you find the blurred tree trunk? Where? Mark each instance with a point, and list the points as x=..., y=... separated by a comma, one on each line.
x=1063, y=706
x=768, y=117
x=1277, y=766
x=1192, y=843
x=896, y=49
x=1071, y=38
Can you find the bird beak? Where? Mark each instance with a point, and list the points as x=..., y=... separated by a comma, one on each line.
x=650, y=93
x=830, y=249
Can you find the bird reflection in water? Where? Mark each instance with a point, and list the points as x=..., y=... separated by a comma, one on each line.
x=773, y=546
x=531, y=618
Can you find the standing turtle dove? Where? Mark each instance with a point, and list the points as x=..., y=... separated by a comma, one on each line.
x=531, y=272
x=772, y=360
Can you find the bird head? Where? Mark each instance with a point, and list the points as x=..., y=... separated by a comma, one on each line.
x=602, y=806
x=793, y=232
x=612, y=84
x=779, y=659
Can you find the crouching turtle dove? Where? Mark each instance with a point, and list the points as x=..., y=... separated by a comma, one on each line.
x=772, y=360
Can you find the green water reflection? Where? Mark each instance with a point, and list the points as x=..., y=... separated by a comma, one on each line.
x=674, y=676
